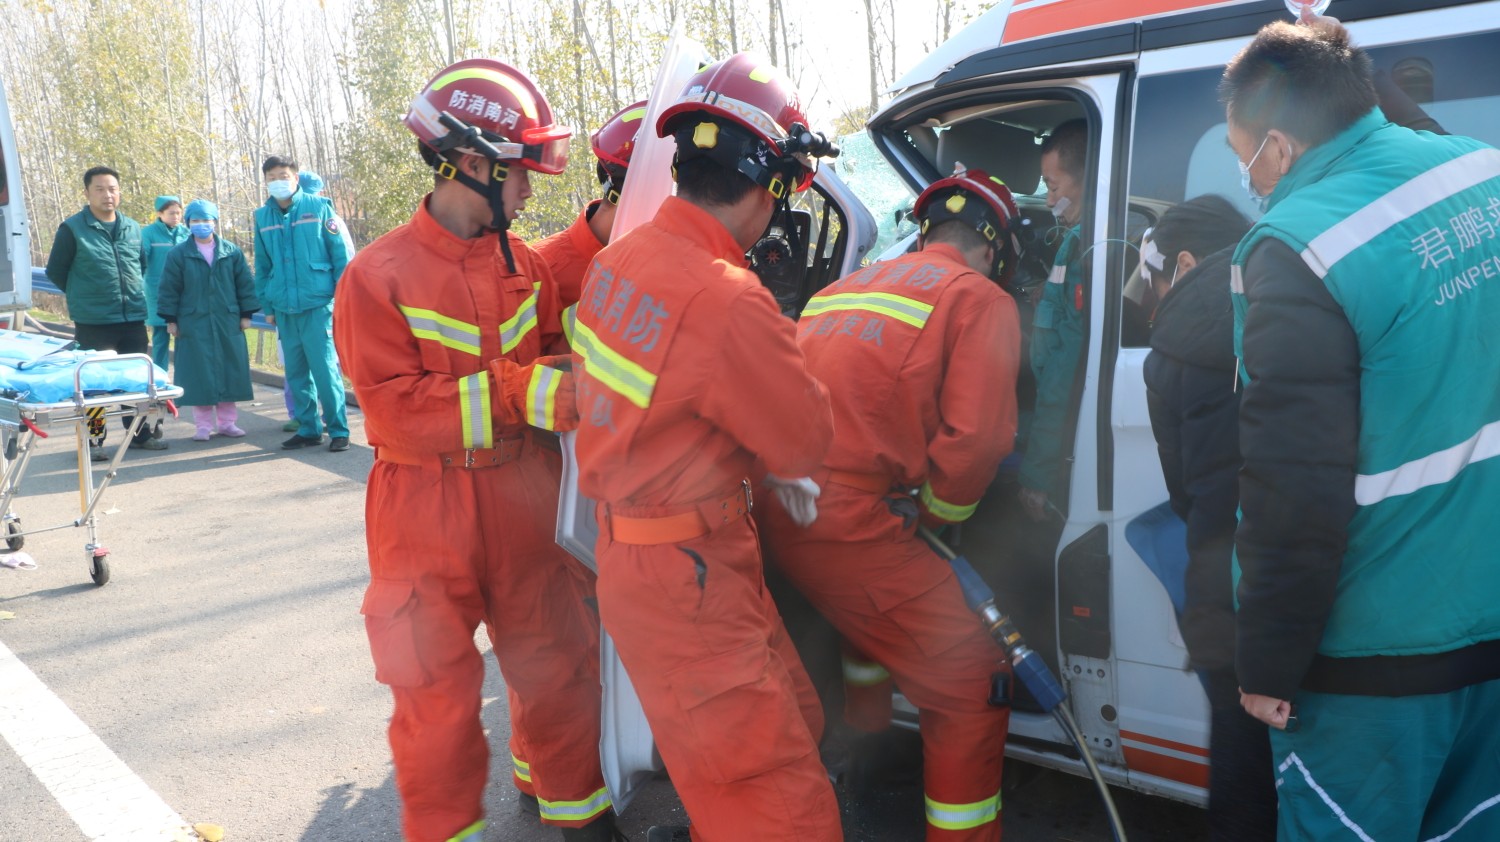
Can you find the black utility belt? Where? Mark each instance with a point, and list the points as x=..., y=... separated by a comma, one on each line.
x=1405, y=675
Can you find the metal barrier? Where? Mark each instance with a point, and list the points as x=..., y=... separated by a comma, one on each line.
x=40, y=283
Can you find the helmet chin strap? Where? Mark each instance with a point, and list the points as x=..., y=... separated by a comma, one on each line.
x=494, y=192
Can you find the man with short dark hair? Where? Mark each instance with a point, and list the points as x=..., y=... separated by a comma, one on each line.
x=1058, y=326
x=1364, y=321
x=299, y=256
x=921, y=355
x=99, y=264
x=692, y=377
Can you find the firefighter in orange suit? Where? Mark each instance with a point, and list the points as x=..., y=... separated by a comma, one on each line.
x=569, y=251
x=921, y=355
x=568, y=254
x=690, y=377
x=442, y=325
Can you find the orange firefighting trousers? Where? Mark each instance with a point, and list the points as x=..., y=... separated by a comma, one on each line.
x=451, y=548
x=735, y=716
x=898, y=603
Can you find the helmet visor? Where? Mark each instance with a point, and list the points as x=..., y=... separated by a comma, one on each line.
x=545, y=149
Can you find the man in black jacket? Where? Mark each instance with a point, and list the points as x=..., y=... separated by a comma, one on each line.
x=1195, y=417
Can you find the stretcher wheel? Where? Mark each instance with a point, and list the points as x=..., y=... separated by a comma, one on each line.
x=98, y=569
x=12, y=539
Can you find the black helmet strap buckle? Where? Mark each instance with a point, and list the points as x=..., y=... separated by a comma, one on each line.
x=462, y=135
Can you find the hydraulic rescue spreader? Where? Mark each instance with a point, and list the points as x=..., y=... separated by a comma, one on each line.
x=1026, y=663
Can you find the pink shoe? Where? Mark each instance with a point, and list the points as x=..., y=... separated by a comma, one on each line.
x=203, y=418
x=228, y=413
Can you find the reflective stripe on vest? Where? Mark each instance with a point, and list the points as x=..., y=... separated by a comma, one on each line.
x=950, y=512
x=472, y=833
x=515, y=328
x=575, y=810
x=521, y=768
x=864, y=673
x=607, y=366
x=541, y=393
x=1400, y=204
x=569, y=322
x=474, y=410
x=962, y=816
x=898, y=307
x=444, y=330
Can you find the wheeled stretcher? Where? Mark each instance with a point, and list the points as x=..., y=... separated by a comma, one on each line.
x=45, y=384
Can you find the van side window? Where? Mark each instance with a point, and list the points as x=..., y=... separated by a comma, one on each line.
x=4, y=179
x=1179, y=150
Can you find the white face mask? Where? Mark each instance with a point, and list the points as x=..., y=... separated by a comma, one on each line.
x=1256, y=196
x=281, y=189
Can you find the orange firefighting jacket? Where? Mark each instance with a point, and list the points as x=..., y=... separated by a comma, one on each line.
x=690, y=372
x=921, y=353
x=441, y=341
x=568, y=254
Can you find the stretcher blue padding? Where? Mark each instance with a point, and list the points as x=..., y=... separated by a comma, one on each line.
x=1159, y=537
x=40, y=370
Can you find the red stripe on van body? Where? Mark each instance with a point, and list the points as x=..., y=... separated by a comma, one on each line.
x=1185, y=748
x=1162, y=766
x=1029, y=20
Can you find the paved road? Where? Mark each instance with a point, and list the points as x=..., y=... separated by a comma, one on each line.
x=226, y=662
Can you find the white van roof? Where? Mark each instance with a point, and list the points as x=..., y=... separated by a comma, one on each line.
x=1012, y=21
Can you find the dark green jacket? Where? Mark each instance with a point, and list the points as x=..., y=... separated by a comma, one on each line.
x=1056, y=342
x=100, y=268
x=157, y=240
x=207, y=303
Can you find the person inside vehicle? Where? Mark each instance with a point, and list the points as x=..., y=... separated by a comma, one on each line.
x=1058, y=326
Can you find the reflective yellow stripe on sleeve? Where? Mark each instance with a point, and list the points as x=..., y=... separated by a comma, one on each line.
x=522, y=768
x=864, y=673
x=569, y=322
x=568, y=811
x=898, y=307
x=472, y=833
x=962, y=816
x=607, y=366
x=515, y=328
x=474, y=410
x=943, y=509
x=541, y=393
x=444, y=330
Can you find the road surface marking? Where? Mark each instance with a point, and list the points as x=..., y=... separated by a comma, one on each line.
x=99, y=792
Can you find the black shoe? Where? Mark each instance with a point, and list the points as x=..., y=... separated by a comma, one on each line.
x=601, y=829
x=663, y=833
x=147, y=443
x=296, y=442
x=528, y=803
x=339, y=444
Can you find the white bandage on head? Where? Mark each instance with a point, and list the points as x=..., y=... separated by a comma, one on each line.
x=1152, y=260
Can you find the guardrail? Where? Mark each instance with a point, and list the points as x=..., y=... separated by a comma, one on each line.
x=40, y=283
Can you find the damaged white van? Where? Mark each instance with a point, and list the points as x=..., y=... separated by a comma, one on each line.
x=1144, y=77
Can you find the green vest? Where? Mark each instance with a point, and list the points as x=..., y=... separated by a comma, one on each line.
x=104, y=282
x=1404, y=229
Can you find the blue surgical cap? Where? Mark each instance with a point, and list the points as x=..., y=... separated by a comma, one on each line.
x=310, y=182
x=202, y=209
x=163, y=201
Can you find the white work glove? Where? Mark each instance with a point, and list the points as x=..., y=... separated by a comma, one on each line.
x=798, y=496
